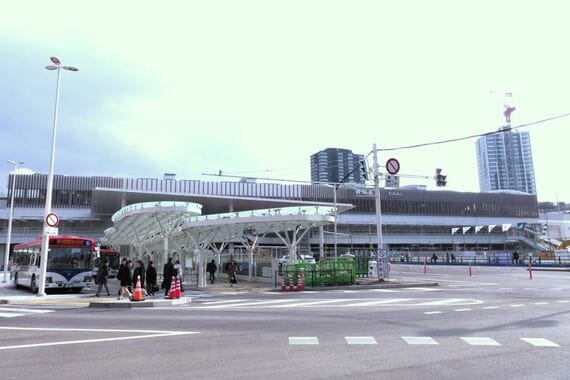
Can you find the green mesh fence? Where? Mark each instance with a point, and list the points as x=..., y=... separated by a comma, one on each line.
x=327, y=272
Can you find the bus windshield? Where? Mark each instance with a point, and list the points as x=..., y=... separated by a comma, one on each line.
x=60, y=258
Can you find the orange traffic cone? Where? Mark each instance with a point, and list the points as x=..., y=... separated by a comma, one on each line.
x=300, y=283
x=172, y=290
x=283, y=287
x=177, y=291
x=291, y=286
x=137, y=293
x=180, y=292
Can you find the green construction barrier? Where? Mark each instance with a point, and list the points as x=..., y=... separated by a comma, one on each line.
x=327, y=272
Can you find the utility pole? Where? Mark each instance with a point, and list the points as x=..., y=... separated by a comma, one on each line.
x=382, y=256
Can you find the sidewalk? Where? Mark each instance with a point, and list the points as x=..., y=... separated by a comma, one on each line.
x=10, y=295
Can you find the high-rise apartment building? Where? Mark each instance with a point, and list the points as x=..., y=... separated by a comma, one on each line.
x=504, y=161
x=336, y=165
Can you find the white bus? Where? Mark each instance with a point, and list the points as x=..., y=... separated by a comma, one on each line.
x=68, y=267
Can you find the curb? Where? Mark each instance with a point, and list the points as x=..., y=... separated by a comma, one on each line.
x=127, y=304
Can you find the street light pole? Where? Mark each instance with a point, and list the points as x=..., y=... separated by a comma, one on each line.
x=382, y=269
x=9, y=237
x=56, y=65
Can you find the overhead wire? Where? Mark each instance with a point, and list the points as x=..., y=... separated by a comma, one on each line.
x=503, y=130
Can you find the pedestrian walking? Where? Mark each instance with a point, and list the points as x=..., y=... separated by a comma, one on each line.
x=231, y=269
x=102, y=274
x=167, y=273
x=124, y=277
x=212, y=268
x=150, y=278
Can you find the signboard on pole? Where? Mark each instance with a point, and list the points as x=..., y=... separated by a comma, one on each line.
x=392, y=166
x=52, y=219
x=50, y=231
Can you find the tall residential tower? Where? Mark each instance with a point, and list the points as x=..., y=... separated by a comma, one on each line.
x=504, y=161
x=336, y=165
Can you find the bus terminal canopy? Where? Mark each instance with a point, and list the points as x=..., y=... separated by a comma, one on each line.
x=146, y=224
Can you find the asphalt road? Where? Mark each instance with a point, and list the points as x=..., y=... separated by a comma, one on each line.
x=496, y=324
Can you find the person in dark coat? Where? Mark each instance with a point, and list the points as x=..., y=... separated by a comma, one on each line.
x=212, y=268
x=102, y=274
x=150, y=278
x=139, y=271
x=231, y=268
x=167, y=273
x=124, y=277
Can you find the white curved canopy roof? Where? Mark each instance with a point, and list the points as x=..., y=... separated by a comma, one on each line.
x=147, y=223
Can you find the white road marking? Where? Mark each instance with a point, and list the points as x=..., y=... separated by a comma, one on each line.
x=360, y=340
x=10, y=315
x=381, y=302
x=294, y=340
x=223, y=302
x=432, y=312
x=460, y=310
x=425, y=289
x=256, y=303
x=419, y=340
x=384, y=290
x=451, y=301
x=301, y=304
x=517, y=305
x=33, y=311
x=148, y=334
x=540, y=342
x=563, y=301
x=491, y=307
x=480, y=341
x=541, y=303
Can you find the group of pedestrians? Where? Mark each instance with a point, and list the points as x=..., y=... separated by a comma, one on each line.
x=128, y=279
x=149, y=276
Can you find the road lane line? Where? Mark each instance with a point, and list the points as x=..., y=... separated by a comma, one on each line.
x=432, y=312
x=10, y=315
x=420, y=340
x=540, y=342
x=360, y=340
x=541, y=303
x=517, y=305
x=23, y=310
x=480, y=341
x=491, y=307
x=381, y=302
x=238, y=305
x=460, y=310
x=304, y=340
x=311, y=303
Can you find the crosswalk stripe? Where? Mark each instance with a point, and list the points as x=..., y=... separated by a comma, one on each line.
x=384, y=290
x=420, y=340
x=222, y=302
x=309, y=340
x=540, y=342
x=360, y=340
x=480, y=341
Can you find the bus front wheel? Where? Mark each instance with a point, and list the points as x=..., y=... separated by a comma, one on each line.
x=33, y=285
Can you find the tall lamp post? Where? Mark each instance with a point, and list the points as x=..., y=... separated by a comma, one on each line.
x=57, y=66
x=9, y=237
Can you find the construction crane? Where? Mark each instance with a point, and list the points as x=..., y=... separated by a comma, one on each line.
x=509, y=108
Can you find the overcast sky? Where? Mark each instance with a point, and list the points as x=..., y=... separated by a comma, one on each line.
x=254, y=88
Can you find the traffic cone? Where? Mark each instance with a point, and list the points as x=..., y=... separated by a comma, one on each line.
x=283, y=287
x=137, y=293
x=301, y=282
x=291, y=286
x=172, y=290
x=178, y=292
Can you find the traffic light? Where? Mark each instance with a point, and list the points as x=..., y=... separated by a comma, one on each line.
x=362, y=169
x=440, y=179
x=545, y=229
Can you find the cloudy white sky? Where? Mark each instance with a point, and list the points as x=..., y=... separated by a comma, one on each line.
x=255, y=87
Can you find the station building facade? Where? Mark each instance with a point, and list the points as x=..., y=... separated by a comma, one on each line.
x=413, y=220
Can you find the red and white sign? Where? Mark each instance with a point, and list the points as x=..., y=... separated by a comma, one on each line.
x=392, y=166
x=52, y=220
